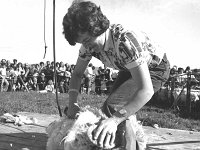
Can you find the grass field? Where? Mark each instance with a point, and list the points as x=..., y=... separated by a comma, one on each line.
x=13, y=102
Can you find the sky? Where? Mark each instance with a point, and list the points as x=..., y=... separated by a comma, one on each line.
x=173, y=24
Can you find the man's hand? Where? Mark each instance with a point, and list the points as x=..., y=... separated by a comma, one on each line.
x=72, y=110
x=105, y=133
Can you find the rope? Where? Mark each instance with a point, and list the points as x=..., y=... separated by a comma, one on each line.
x=45, y=45
x=54, y=56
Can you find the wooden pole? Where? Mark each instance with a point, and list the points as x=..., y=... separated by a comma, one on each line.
x=188, y=100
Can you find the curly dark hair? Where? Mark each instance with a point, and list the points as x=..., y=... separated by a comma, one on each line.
x=83, y=17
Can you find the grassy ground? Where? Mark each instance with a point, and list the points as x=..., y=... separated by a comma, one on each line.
x=13, y=102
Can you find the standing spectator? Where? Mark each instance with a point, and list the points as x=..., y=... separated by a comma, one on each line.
x=93, y=79
x=14, y=62
x=10, y=76
x=83, y=85
x=197, y=74
x=47, y=70
x=3, y=77
x=187, y=69
x=27, y=70
x=98, y=75
x=3, y=61
x=61, y=71
x=181, y=77
x=52, y=66
x=103, y=82
x=8, y=63
x=67, y=66
x=194, y=81
x=37, y=67
x=20, y=73
x=108, y=80
x=72, y=67
x=41, y=66
x=35, y=72
x=48, y=63
x=67, y=75
x=31, y=72
x=88, y=78
x=20, y=68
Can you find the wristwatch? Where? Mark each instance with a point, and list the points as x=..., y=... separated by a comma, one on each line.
x=122, y=112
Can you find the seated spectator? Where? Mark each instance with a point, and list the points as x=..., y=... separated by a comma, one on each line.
x=61, y=87
x=66, y=86
x=29, y=84
x=32, y=84
x=42, y=81
x=49, y=87
x=35, y=85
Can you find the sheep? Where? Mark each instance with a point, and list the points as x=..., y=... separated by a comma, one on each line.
x=70, y=134
x=194, y=95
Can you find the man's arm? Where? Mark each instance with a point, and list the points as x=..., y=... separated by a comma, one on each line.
x=75, y=80
x=143, y=94
x=74, y=87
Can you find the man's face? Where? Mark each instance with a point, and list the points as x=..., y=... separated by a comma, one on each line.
x=86, y=39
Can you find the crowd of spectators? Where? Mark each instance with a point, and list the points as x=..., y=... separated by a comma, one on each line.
x=98, y=80
x=179, y=76
x=18, y=76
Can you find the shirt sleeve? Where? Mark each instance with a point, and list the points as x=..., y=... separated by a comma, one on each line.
x=130, y=50
x=85, y=54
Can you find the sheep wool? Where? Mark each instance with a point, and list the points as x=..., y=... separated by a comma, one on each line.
x=70, y=134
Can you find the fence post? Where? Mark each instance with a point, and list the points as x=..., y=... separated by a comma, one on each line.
x=172, y=90
x=188, y=100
